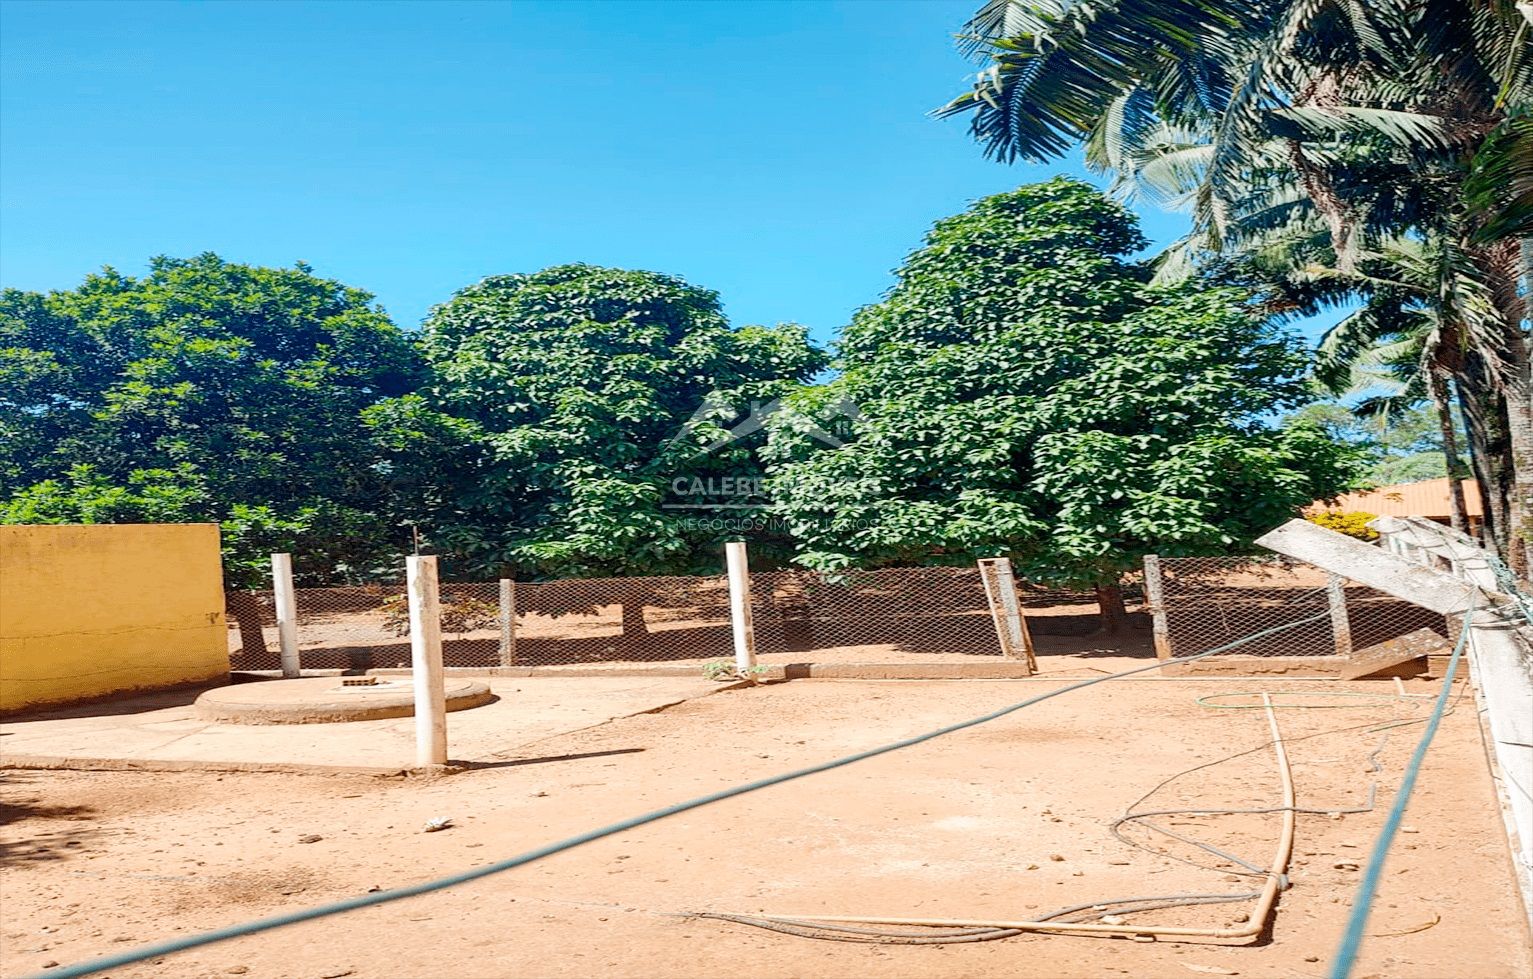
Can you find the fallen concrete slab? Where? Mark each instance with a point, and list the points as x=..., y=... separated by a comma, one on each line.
x=1372, y=566
x=1502, y=667
x=1395, y=657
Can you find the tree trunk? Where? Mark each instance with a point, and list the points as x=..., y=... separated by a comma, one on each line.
x=1519, y=531
x=1489, y=448
x=247, y=616
x=634, y=627
x=1325, y=90
x=1456, y=510
x=1110, y=606
x=1502, y=266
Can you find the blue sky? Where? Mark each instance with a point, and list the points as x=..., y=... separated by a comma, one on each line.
x=780, y=153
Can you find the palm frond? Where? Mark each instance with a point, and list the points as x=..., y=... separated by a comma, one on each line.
x=1049, y=81
x=1500, y=182
x=1405, y=129
x=999, y=19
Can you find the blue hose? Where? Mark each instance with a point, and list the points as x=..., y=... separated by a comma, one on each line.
x=1362, y=903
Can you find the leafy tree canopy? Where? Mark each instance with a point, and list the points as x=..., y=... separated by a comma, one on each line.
x=1378, y=153
x=565, y=404
x=1024, y=391
x=206, y=390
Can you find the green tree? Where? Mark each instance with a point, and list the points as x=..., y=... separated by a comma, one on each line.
x=1023, y=391
x=564, y=406
x=1405, y=345
x=1403, y=445
x=1313, y=134
x=205, y=390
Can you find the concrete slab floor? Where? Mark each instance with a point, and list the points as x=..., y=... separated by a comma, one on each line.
x=164, y=728
x=330, y=699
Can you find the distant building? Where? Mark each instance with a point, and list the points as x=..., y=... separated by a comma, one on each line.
x=1424, y=498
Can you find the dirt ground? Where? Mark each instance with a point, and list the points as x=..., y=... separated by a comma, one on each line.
x=1007, y=820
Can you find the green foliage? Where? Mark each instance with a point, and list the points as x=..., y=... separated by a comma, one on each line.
x=1402, y=447
x=82, y=495
x=1376, y=155
x=724, y=670
x=548, y=429
x=1023, y=391
x=1410, y=468
x=1351, y=524
x=205, y=390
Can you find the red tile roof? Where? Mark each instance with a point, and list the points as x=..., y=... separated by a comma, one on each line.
x=1426, y=498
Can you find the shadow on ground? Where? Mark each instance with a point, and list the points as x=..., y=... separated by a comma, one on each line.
x=35, y=830
x=117, y=703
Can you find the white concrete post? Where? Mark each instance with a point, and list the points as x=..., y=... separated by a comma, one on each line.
x=1155, y=597
x=507, y=622
x=740, y=608
x=1341, y=628
x=426, y=661
x=1367, y=565
x=1011, y=626
x=287, y=612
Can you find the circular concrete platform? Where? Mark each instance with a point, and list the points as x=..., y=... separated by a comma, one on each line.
x=324, y=699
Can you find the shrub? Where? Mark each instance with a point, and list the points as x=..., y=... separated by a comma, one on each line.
x=1351, y=524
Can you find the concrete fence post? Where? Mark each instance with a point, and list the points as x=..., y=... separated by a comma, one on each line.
x=1010, y=624
x=286, y=601
x=426, y=661
x=740, y=608
x=1341, y=627
x=507, y=622
x=1155, y=597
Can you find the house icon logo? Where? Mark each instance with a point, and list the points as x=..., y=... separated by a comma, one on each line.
x=831, y=426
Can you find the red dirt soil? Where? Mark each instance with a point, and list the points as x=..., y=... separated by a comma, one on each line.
x=967, y=826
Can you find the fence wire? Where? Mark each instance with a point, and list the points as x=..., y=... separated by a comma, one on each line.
x=867, y=616
x=603, y=620
x=895, y=610
x=350, y=627
x=1376, y=617
x=485, y=624
x=1209, y=601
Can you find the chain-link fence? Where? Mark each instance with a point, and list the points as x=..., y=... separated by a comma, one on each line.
x=354, y=627
x=604, y=620
x=893, y=611
x=888, y=615
x=1207, y=602
x=492, y=624
x=1375, y=617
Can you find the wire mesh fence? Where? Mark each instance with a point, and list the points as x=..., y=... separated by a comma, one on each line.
x=1210, y=601
x=492, y=624
x=351, y=627
x=604, y=620
x=866, y=616
x=1375, y=617
x=895, y=610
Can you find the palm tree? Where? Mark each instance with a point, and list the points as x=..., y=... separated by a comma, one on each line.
x=1270, y=122
x=1398, y=349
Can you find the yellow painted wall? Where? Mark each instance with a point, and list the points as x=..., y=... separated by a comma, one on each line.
x=87, y=611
